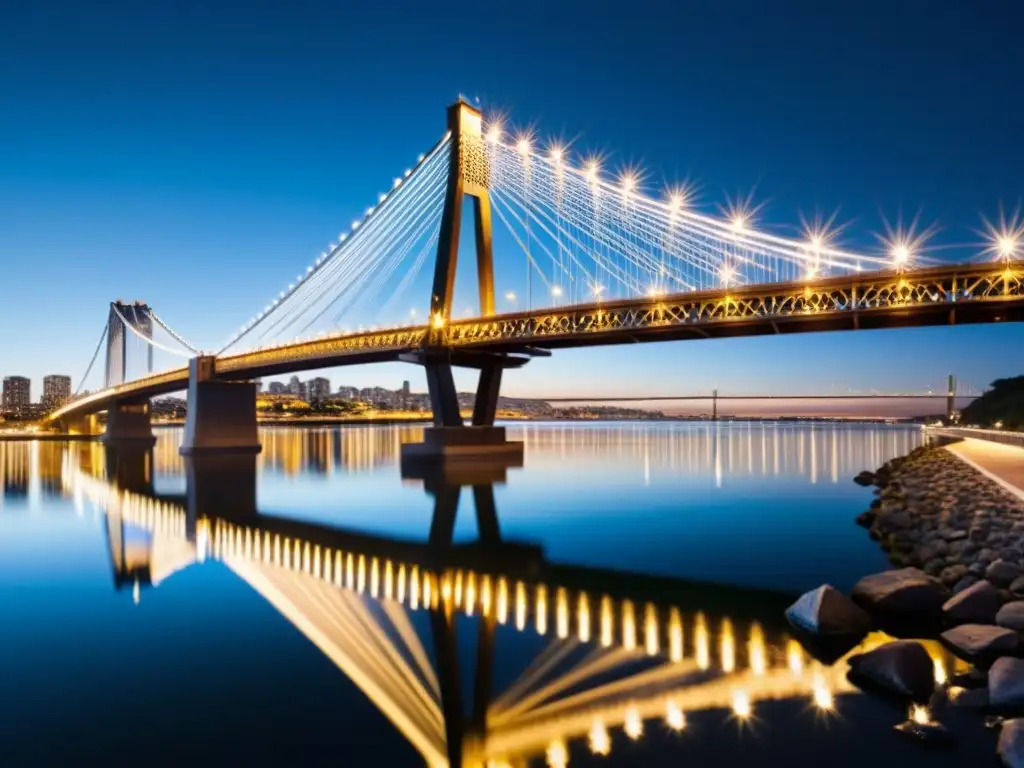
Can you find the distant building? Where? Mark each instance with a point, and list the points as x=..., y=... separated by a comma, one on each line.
x=259, y=386
x=16, y=395
x=318, y=389
x=348, y=393
x=56, y=390
x=276, y=388
x=295, y=387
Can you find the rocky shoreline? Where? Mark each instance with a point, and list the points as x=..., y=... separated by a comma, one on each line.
x=956, y=539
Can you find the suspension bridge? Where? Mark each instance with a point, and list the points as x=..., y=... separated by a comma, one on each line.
x=604, y=264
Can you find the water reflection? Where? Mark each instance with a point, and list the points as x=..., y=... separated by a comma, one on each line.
x=819, y=453
x=618, y=650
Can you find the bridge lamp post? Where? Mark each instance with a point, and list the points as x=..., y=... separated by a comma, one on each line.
x=1007, y=247
x=901, y=256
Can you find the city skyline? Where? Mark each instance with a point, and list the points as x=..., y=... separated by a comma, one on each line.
x=151, y=188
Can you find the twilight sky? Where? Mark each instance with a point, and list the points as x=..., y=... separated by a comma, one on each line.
x=197, y=155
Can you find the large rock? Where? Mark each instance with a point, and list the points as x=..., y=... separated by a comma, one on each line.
x=978, y=604
x=1011, y=744
x=1003, y=573
x=906, y=596
x=827, y=612
x=980, y=641
x=1011, y=616
x=902, y=667
x=1006, y=683
x=864, y=478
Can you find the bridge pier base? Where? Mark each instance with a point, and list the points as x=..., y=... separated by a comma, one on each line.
x=450, y=440
x=221, y=414
x=129, y=423
x=84, y=426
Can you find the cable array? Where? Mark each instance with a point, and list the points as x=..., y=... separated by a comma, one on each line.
x=365, y=274
x=585, y=238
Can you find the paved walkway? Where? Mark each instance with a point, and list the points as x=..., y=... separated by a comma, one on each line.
x=1002, y=463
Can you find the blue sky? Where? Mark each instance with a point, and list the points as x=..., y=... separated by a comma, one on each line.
x=198, y=155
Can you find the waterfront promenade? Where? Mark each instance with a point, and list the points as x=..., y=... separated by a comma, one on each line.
x=1003, y=464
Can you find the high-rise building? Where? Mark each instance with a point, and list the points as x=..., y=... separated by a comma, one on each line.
x=16, y=395
x=56, y=390
x=318, y=389
x=295, y=386
x=276, y=388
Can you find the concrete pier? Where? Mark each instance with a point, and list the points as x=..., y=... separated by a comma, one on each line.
x=221, y=414
x=129, y=422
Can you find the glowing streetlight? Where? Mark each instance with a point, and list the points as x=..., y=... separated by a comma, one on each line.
x=900, y=254
x=741, y=706
x=633, y=724
x=628, y=181
x=556, y=154
x=494, y=133
x=738, y=223
x=510, y=296
x=591, y=169
x=600, y=743
x=556, y=290
x=675, y=718
x=438, y=320
x=1007, y=246
x=523, y=146
x=675, y=201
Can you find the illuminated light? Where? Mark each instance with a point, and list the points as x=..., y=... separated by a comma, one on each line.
x=822, y=696
x=374, y=578
x=628, y=625
x=703, y=642
x=419, y=158
x=502, y=601
x=308, y=270
x=651, y=629
x=728, y=647
x=606, y=621
x=920, y=714
x=350, y=571
x=756, y=650
x=557, y=755
x=136, y=593
x=675, y=718
x=598, y=740
x=561, y=613
x=675, y=636
x=523, y=146
x=556, y=290
x=343, y=238
x=397, y=182
x=628, y=181
x=355, y=225
x=510, y=296
x=520, y=606
x=583, y=618
x=654, y=291
x=369, y=210
x=591, y=170
x=556, y=155
x=494, y=133
x=381, y=198
x=676, y=201
x=485, y=595
x=598, y=290
x=940, y=672
x=726, y=274
x=633, y=725
x=446, y=588
x=1007, y=246
x=738, y=224
x=741, y=706
x=414, y=589
x=438, y=320
x=816, y=242
x=542, y=610
x=470, y=593
x=458, y=589
x=400, y=584
x=408, y=173
x=901, y=253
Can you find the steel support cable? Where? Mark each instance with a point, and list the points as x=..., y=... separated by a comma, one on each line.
x=625, y=249
x=362, y=248
x=135, y=331
x=429, y=157
x=723, y=228
x=329, y=263
x=410, y=276
x=178, y=338
x=352, y=285
x=364, y=270
x=373, y=283
x=92, y=362
x=602, y=263
x=361, y=251
x=501, y=203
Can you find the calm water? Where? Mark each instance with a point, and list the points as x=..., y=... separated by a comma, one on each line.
x=615, y=601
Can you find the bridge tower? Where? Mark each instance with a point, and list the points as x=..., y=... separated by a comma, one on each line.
x=951, y=398
x=139, y=316
x=450, y=438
